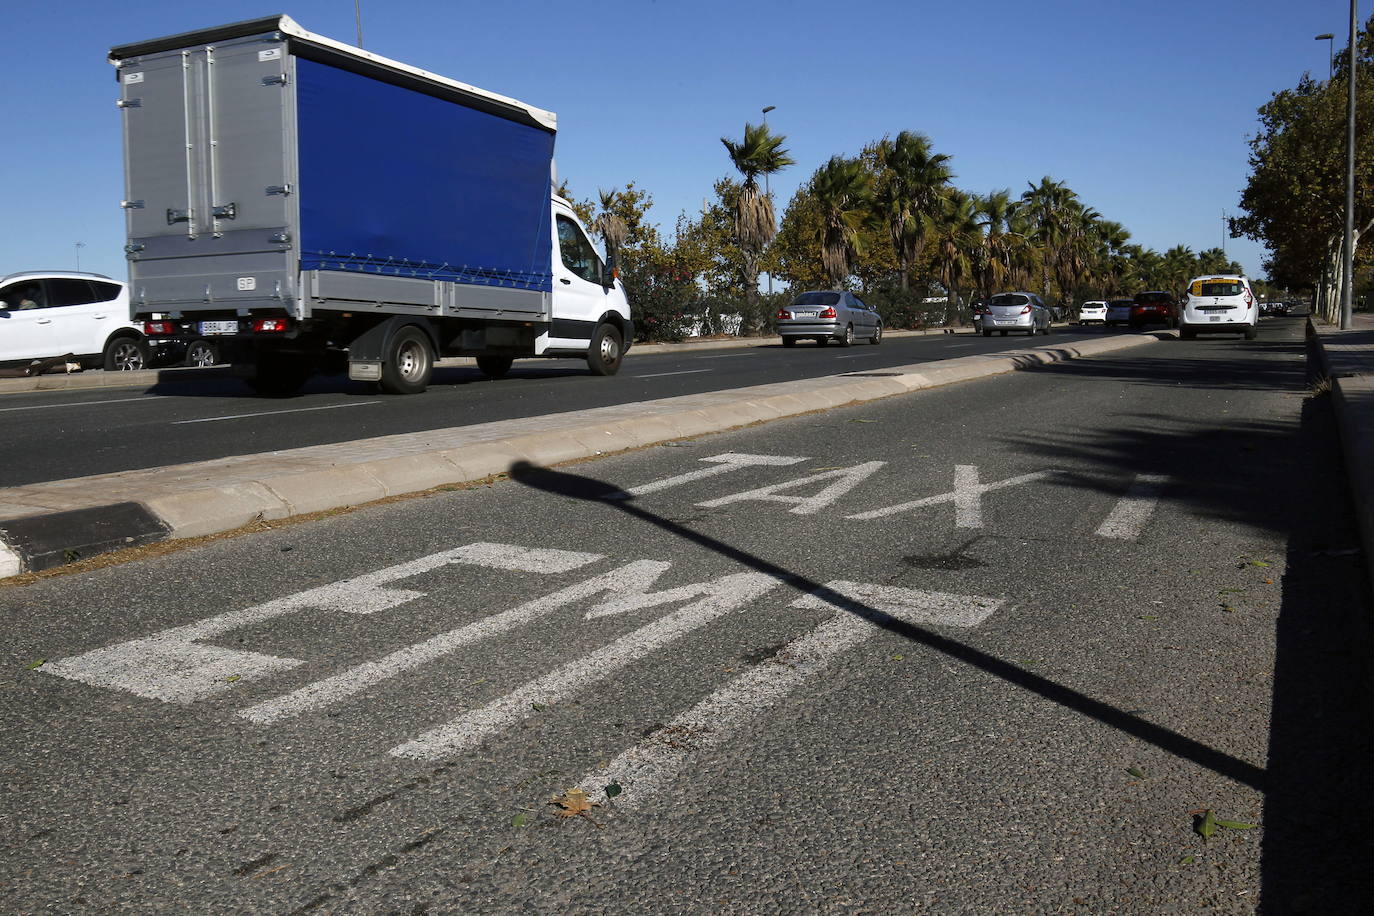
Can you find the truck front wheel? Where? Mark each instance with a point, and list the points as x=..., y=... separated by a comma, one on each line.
x=606, y=351
x=408, y=363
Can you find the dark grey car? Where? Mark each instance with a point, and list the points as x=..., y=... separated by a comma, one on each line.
x=826, y=315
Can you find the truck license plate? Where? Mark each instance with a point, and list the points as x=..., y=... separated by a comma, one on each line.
x=219, y=327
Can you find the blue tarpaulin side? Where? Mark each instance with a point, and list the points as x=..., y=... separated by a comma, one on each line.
x=397, y=182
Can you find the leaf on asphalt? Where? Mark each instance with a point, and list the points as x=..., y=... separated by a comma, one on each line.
x=1236, y=825
x=1147, y=617
x=1187, y=860
x=1268, y=581
x=863, y=421
x=898, y=657
x=1227, y=608
x=572, y=803
x=519, y=820
x=233, y=677
x=37, y=664
x=1135, y=771
x=613, y=790
x=1205, y=824
x=1261, y=563
x=538, y=707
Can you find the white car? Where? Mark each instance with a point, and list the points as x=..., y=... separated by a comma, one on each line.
x=1219, y=303
x=53, y=313
x=1094, y=312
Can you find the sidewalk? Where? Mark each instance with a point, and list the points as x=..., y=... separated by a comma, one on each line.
x=49, y=524
x=1346, y=358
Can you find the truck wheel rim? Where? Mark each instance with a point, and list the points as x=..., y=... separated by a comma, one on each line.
x=410, y=361
x=610, y=350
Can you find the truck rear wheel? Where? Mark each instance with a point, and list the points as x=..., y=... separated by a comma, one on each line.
x=606, y=351
x=408, y=362
x=495, y=366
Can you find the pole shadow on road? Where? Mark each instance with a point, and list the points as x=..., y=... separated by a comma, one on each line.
x=565, y=484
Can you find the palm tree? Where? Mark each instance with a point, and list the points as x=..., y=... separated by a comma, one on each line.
x=609, y=224
x=759, y=153
x=957, y=234
x=913, y=180
x=843, y=190
x=996, y=213
x=1180, y=264
x=1047, y=204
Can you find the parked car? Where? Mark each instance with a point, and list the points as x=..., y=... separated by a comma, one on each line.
x=1219, y=303
x=1016, y=312
x=1154, y=307
x=1118, y=311
x=52, y=313
x=1093, y=312
x=826, y=315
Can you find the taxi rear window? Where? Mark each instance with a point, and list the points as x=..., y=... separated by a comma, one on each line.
x=1216, y=288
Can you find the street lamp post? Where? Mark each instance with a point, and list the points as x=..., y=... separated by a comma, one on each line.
x=79, y=246
x=1330, y=53
x=768, y=191
x=1348, y=281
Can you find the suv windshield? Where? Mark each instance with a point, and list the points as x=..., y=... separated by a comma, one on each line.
x=1216, y=288
x=1009, y=299
x=817, y=299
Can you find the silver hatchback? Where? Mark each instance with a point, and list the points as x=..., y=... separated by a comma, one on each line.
x=1005, y=312
x=826, y=315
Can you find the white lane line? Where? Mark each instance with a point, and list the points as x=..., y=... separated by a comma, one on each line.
x=957, y=346
x=655, y=762
x=82, y=403
x=720, y=597
x=176, y=667
x=858, y=355
x=730, y=461
x=1132, y=512
x=681, y=372
x=270, y=413
x=725, y=356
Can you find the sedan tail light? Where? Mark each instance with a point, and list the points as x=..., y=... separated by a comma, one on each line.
x=783, y=315
x=1026, y=310
x=827, y=313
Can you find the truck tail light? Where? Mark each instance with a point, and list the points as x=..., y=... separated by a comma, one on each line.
x=155, y=328
x=269, y=325
x=827, y=313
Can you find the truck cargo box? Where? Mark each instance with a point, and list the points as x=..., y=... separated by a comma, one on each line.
x=271, y=168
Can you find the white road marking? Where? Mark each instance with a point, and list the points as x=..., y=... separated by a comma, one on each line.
x=470, y=730
x=1132, y=512
x=680, y=372
x=846, y=479
x=858, y=355
x=725, y=356
x=655, y=762
x=82, y=403
x=271, y=413
x=957, y=346
x=966, y=496
x=639, y=574
x=725, y=463
x=173, y=666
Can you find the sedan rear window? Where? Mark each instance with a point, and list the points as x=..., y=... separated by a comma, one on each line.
x=1153, y=298
x=1217, y=288
x=1010, y=299
x=817, y=299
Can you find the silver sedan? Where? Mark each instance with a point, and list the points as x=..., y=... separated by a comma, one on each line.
x=826, y=315
x=1015, y=312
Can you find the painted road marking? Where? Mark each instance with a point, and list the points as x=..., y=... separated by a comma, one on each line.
x=360, y=677
x=726, y=356
x=81, y=403
x=271, y=413
x=966, y=496
x=858, y=355
x=845, y=479
x=679, y=372
x=718, y=598
x=1132, y=512
x=175, y=667
x=730, y=461
x=655, y=762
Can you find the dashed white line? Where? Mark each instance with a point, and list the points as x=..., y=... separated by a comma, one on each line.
x=1132, y=512
x=270, y=413
x=82, y=403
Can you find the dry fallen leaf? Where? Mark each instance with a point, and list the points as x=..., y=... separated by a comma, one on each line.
x=572, y=803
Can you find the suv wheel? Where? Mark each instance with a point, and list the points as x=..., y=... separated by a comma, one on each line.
x=125, y=354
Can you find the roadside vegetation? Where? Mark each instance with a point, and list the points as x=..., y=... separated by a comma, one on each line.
x=888, y=223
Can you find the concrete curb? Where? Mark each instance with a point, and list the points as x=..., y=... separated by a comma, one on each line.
x=88, y=515
x=147, y=378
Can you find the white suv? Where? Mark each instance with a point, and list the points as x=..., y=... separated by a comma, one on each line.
x=1219, y=303
x=53, y=313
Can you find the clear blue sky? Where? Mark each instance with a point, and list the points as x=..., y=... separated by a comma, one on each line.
x=1142, y=108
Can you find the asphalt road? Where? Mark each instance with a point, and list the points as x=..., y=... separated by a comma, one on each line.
x=982, y=649
x=57, y=435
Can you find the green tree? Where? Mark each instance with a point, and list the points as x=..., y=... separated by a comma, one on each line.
x=760, y=152
x=912, y=178
x=843, y=191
